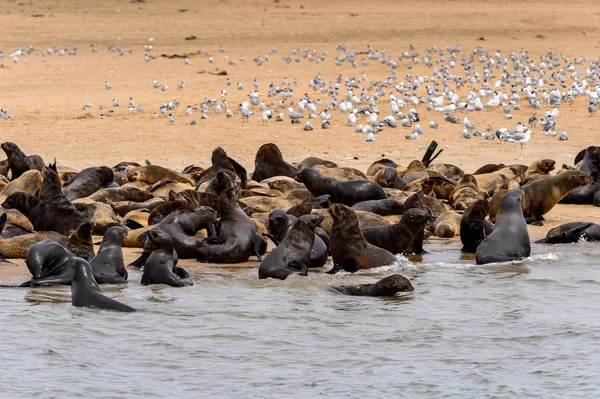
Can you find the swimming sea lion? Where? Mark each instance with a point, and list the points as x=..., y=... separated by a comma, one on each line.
x=474, y=227
x=347, y=192
x=18, y=162
x=387, y=286
x=349, y=248
x=466, y=193
x=293, y=254
x=86, y=293
x=539, y=168
x=510, y=239
x=108, y=265
x=572, y=232
x=49, y=264
x=237, y=239
x=160, y=267
x=269, y=162
x=87, y=182
x=398, y=237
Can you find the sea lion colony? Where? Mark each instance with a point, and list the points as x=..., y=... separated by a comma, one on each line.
x=308, y=209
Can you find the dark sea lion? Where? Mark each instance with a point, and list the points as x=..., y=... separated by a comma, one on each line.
x=539, y=168
x=45, y=216
x=589, y=164
x=183, y=225
x=304, y=208
x=349, y=248
x=221, y=162
x=18, y=162
x=447, y=225
x=152, y=174
x=416, y=170
x=269, y=163
x=49, y=264
x=510, y=239
x=489, y=168
x=237, y=239
x=572, y=232
x=280, y=225
x=85, y=292
x=160, y=267
x=466, y=193
x=542, y=194
x=120, y=178
x=387, y=286
x=173, y=204
x=398, y=237
x=87, y=182
x=311, y=162
x=416, y=201
x=199, y=199
x=474, y=226
x=149, y=246
x=293, y=254
x=108, y=265
x=347, y=192
x=383, y=207
x=221, y=182
x=379, y=165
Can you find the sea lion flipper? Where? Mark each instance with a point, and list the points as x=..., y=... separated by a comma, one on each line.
x=141, y=261
x=270, y=236
x=183, y=275
x=301, y=267
x=259, y=245
x=213, y=240
x=54, y=280
x=240, y=171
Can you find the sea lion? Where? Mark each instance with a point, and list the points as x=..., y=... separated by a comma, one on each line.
x=108, y=265
x=542, y=194
x=439, y=187
x=87, y=182
x=164, y=187
x=380, y=164
x=269, y=163
x=113, y=195
x=466, y=193
x=474, y=227
x=101, y=215
x=347, y=192
x=265, y=204
x=160, y=267
x=416, y=170
x=49, y=264
x=237, y=239
x=280, y=225
x=221, y=162
x=4, y=167
x=416, y=201
x=293, y=254
x=18, y=162
x=349, y=248
x=137, y=219
x=589, y=164
x=388, y=177
x=489, y=168
x=510, y=239
x=572, y=232
x=45, y=216
x=383, y=207
x=123, y=208
x=495, y=205
x=451, y=172
x=221, y=182
x=398, y=237
x=498, y=180
x=151, y=174
x=539, y=168
x=341, y=173
x=311, y=162
x=447, y=225
x=86, y=293
x=29, y=182
x=282, y=183
x=387, y=286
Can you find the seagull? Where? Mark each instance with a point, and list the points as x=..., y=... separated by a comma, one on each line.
x=370, y=137
x=413, y=136
x=87, y=106
x=433, y=125
x=164, y=87
x=266, y=115
x=307, y=126
x=154, y=115
x=155, y=84
x=351, y=119
x=140, y=108
x=488, y=136
x=245, y=111
x=107, y=85
x=417, y=129
x=294, y=115
x=280, y=117
x=228, y=113
x=519, y=137
x=325, y=124
x=468, y=124
x=451, y=118
x=131, y=110
x=186, y=61
x=115, y=102
x=181, y=85
x=130, y=102
x=193, y=122
x=532, y=120
x=563, y=136
x=171, y=119
x=466, y=134
x=592, y=110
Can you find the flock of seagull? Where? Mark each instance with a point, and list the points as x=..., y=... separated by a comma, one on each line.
x=457, y=83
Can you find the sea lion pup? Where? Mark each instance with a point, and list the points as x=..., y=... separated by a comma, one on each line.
x=572, y=232
x=589, y=164
x=183, y=225
x=29, y=182
x=489, y=168
x=88, y=181
x=149, y=247
x=398, y=237
x=387, y=286
x=466, y=193
x=503, y=179
x=160, y=267
x=447, y=225
x=18, y=162
x=388, y=177
x=383, y=207
x=109, y=266
x=269, y=163
x=449, y=171
x=541, y=195
x=152, y=174
x=119, y=194
x=221, y=162
x=44, y=216
x=314, y=161
x=349, y=248
x=416, y=170
x=49, y=264
x=85, y=292
x=417, y=201
x=540, y=168
x=347, y=192
x=280, y=225
x=474, y=226
x=293, y=254
x=439, y=187
x=237, y=239
x=221, y=182
x=379, y=165
x=510, y=239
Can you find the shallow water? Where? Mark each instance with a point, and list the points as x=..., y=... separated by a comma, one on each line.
x=510, y=330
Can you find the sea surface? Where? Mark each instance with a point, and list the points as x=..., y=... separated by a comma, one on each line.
x=523, y=329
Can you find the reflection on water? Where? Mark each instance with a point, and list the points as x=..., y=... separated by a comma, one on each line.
x=520, y=329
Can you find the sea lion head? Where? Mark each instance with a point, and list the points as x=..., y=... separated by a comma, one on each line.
x=159, y=238
x=579, y=178
x=278, y=219
x=546, y=165
x=311, y=221
x=268, y=152
x=306, y=175
x=415, y=201
x=15, y=200
x=134, y=175
x=467, y=179
x=9, y=147
x=338, y=211
x=388, y=177
x=218, y=154
x=416, y=217
x=115, y=233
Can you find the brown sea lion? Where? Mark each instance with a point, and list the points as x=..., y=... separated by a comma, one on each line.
x=466, y=193
x=117, y=194
x=136, y=219
x=29, y=182
x=341, y=173
x=101, y=215
x=123, y=208
x=151, y=174
x=439, y=187
x=376, y=166
x=283, y=184
x=269, y=163
x=398, y=238
x=489, y=168
x=311, y=162
x=349, y=248
x=449, y=171
x=163, y=187
x=87, y=182
x=539, y=168
x=388, y=177
x=542, y=194
x=18, y=162
x=474, y=227
x=416, y=170
x=498, y=180
x=221, y=162
x=447, y=225
x=266, y=204
x=4, y=167
x=495, y=205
